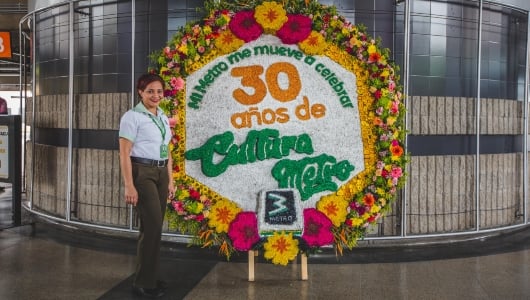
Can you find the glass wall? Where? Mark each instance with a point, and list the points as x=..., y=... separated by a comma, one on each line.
x=464, y=68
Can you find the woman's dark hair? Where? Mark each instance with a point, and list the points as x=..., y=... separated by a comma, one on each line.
x=146, y=79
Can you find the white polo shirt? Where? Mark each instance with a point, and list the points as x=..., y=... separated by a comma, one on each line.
x=138, y=126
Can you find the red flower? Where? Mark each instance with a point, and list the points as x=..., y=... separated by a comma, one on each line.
x=296, y=29
x=244, y=26
x=243, y=231
x=317, y=228
x=194, y=194
x=200, y=218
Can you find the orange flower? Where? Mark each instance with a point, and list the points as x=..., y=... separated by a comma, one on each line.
x=369, y=199
x=396, y=151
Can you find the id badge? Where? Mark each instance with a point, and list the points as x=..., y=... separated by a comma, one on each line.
x=163, y=151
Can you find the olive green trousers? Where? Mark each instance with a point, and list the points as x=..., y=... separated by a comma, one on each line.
x=152, y=186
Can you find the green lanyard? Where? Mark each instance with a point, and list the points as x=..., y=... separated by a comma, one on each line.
x=161, y=127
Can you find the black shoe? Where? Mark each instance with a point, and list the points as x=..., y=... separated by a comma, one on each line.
x=150, y=293
x=162, y=284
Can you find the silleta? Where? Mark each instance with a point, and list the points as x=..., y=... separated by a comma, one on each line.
x=258, y=145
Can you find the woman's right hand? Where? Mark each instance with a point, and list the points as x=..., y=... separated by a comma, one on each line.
x=131, y=195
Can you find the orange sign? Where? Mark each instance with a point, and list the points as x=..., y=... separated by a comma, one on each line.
x=5, y=44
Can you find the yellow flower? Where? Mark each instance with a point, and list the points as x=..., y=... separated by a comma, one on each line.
x=355, y=222
x=221, y=215
x=355, y=42
x=227, y=42
x=198, y=208
x=334, y=207
x=389, y=182
x=281, y=248
x=335, y=23
x=390, y=120
x=183, y=48
x=372, y=49
x=183, y=194
x=271, y=16
x=375, y=209
x=315, y=43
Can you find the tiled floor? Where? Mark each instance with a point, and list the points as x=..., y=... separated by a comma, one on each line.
x=43, y=261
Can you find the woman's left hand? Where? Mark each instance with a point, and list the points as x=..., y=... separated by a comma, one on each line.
x=171, y=189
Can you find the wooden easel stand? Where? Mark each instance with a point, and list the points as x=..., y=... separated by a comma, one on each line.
x=251, y=265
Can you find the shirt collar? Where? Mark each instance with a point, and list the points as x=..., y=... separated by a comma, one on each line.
x=141, y=108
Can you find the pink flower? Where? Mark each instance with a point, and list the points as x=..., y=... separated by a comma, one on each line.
x=244, y=26
x=317, y=228
x=177, y=83
x=395, y=107
x=178, y=206
x=243, y=231
x=396, y=172
x=172, y=122
x=296, y=29
x=391, y=85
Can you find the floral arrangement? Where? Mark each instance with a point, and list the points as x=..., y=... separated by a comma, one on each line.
x=340, y=218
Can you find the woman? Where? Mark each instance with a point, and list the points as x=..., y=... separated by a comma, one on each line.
x=146, y=167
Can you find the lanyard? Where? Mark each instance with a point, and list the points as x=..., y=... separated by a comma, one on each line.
x=161, y=127
x=158, y=123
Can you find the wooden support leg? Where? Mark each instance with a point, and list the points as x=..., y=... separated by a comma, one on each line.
x=251, y=255
x=304, y=266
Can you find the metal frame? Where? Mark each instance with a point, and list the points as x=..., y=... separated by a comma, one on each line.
x=477, y=124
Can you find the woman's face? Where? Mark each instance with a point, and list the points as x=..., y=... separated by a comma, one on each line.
x=152, y=94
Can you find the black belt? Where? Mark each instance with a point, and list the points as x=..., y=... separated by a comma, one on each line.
x=149, y=162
